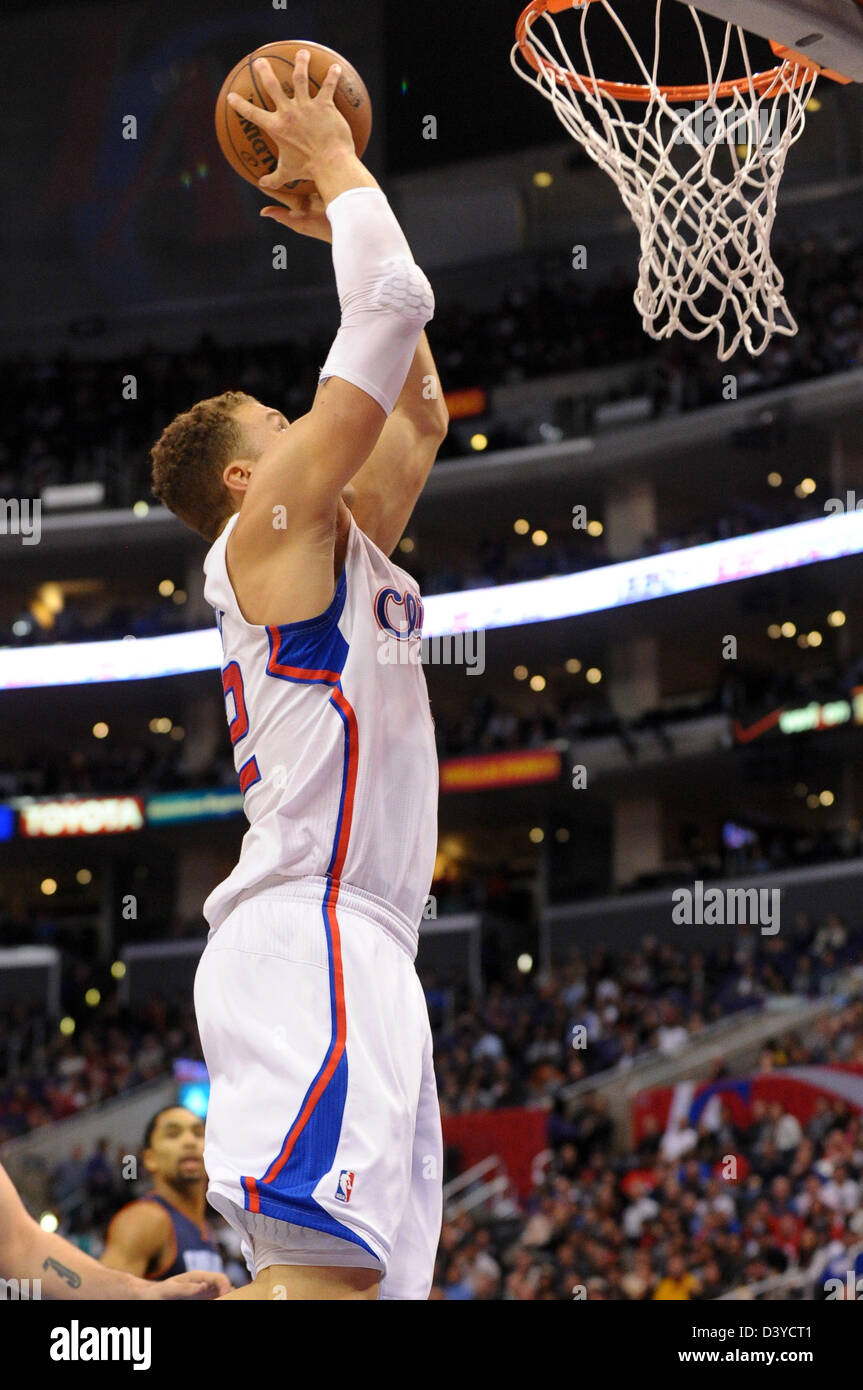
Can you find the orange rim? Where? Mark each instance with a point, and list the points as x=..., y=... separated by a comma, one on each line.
x=760, y=82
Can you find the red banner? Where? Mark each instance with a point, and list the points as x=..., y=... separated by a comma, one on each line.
x=513, y=1136
x=462, y=404
x=797, y=1088
x=499, y=770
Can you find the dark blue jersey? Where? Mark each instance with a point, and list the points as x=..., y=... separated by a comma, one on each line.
x=193, y=1245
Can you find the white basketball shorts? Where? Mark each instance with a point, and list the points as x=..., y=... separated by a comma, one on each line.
x=323, y=1137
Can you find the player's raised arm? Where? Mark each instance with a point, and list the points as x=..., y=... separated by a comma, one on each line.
x=386, y=487
x=385, y=300
x=390, y=481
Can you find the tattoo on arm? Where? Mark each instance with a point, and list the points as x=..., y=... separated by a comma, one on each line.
x=72, y=1279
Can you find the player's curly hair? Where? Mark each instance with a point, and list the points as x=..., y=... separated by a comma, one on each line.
x=188, y=459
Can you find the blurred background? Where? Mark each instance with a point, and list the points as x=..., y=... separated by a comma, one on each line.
x=694, y=715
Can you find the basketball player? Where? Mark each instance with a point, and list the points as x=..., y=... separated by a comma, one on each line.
x=323, y=1140
x=29, y=1253
x=166, y=1232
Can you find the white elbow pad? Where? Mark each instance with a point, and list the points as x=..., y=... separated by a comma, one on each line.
x=385, y=298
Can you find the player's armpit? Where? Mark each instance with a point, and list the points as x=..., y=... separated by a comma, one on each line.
x=286, y=583
x=136, y=1238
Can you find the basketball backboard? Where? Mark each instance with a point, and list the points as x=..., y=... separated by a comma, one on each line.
x=830, y=32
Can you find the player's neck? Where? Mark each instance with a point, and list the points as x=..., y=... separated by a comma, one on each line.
x=190, y=1201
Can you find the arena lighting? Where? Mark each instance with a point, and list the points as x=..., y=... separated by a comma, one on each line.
x=195, y=1097
x=170, y=808
x=193, y=1086
x=44, y=818
x=805, y=719
x=472, y=610
x=472, y=400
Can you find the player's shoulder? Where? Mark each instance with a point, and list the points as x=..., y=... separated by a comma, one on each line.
x=138, y=1217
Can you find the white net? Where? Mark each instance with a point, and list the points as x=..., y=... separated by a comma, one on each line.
x=700, y=180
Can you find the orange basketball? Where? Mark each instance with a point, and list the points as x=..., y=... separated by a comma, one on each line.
x=245, y=146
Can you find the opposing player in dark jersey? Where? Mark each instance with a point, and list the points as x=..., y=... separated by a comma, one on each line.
x=32, y=1259
x=166, y=1233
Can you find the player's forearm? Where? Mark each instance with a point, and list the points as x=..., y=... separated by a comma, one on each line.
x=336, y=171
x=386, y=488
x=385, y=298
x=409, y=440
x=421, y=400
x=66, y=1272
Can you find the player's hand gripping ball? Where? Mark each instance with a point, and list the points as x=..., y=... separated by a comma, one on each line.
x=252, y=150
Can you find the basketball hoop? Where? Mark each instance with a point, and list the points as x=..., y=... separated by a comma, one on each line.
x=702, y=199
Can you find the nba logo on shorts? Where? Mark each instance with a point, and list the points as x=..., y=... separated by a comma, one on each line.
x=345, y=1185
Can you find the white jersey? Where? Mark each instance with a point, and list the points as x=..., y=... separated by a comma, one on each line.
x=333, y=738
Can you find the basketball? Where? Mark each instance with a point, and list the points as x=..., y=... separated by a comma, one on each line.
x=245, y=146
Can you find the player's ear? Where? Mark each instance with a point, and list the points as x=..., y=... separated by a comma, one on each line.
x=236, y=475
